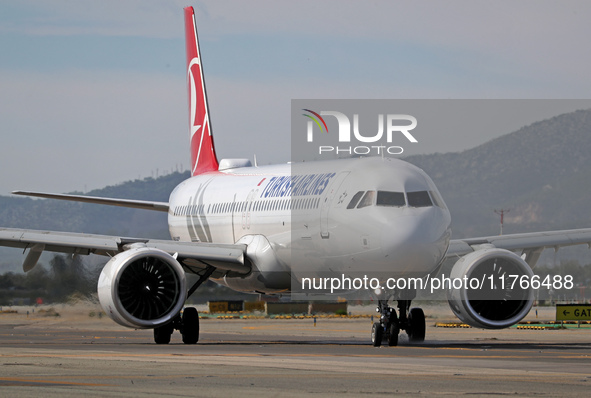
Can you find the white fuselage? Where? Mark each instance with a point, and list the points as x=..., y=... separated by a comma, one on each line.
x=322, y=218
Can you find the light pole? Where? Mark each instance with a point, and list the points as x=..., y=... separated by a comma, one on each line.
x=502, y=213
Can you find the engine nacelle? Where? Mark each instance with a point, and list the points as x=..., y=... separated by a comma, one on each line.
x=142, y=288
x=501, y=300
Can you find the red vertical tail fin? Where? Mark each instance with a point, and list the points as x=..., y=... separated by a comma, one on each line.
x=203, y=157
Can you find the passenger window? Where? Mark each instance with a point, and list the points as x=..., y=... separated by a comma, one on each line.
x=419, y=199
x=355, y=200
x=393, y=199
x=368, y=199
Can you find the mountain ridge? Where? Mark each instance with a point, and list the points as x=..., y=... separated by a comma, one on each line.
x=541, y=173
x=524, y=171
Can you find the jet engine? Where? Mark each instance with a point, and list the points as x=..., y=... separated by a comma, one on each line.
x=495, y=292
x=142, y=288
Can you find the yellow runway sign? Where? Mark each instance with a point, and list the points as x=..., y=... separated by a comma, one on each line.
x=573, y=312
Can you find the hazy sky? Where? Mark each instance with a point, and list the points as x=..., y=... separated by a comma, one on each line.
x=93, y=92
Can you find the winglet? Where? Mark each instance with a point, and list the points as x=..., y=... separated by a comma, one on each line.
x=203, y=157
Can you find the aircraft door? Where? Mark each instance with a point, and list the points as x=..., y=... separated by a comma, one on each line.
x=326, y=202
x=246, y=209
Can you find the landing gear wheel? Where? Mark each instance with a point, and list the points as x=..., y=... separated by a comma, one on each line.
x=392, y=333
x=190, y=326
x=376, y=334
x=416, y=323
x=162, y=334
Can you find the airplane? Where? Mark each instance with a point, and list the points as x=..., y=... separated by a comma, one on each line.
x=266, y=229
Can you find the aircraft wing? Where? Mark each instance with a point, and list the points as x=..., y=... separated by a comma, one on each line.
x=194, y=256
x=532, y=243
x=137, y=204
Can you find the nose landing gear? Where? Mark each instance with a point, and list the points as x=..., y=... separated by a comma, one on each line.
x=388, y=328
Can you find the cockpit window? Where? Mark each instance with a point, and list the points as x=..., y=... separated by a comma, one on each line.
x=437, y=199
x=355, y=200
x=387, y=198
x=419, y=199
x=368, y=199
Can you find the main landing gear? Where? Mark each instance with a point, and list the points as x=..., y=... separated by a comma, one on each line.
x=412, y=320
x=186, y=322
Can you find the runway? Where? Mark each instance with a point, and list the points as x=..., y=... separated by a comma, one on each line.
x=73, y=355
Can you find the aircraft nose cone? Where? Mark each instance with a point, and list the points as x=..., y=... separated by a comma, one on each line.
x=415, y=245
